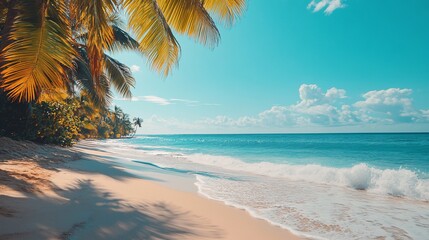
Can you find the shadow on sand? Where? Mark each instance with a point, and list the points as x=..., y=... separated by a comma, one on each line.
x=84, y=212
x=96, y=215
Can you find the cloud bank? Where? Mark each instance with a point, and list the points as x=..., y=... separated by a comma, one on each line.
x=317, y=109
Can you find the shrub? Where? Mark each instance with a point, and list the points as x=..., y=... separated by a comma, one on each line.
x=61, y=122
x=55, y=123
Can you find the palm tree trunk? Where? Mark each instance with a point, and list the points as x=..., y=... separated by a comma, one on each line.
x=135, y=131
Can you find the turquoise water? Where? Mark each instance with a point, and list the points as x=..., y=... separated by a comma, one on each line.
x=393, y=150
x=321, y=186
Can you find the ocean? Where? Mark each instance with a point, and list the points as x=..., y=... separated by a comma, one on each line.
x=322, y=186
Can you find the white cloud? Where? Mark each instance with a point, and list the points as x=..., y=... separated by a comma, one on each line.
x=393, y=104
x=328, y=5
x=219, y=121
x=395, y=97
x=156, y=100
x=135, y=68
x=335, y=93
x=192, y=103
x=314, y=108
x=165, y=101
x=319, y=108
x=311, y=94
x=424, y=115
x=184, y=100
x=151, y=99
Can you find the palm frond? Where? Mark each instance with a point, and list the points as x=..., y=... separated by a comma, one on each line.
x=39, y=52
x=122, y=41
x=191, y=18
x=94, y=16
x=153, y=33
x=137, y=122
x=116, y=20
x=81, y=73
x=97, y=90
x=227, y=10
x=105, y=95
x=120, y=76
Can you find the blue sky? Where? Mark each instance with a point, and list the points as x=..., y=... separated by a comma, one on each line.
x=296, y=66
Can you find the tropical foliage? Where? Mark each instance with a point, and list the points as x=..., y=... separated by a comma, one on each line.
x=52, y=47
x=56, y=72
x=63, y=122
x=54, y=123
x=137, y=123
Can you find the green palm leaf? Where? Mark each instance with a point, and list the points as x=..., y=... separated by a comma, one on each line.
x=120, y=76
x=98, y=91
x=122, y=41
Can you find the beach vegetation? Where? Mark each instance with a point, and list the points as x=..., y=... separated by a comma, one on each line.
x=63, y=122
x=137, y=122
x=54, y=46
x=57, y=73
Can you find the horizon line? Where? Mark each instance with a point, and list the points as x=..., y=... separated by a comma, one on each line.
x=281, y=133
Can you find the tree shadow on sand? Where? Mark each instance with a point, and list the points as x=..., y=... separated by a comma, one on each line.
x=84, y=212
x=81, y=211
x=33, y=164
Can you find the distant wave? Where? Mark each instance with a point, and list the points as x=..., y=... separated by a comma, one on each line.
x=177, y=170
x=149, y=147
x=396, y=182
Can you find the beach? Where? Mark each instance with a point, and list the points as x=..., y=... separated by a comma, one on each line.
x=217, y=187
x=80, y=193
x=155, y=120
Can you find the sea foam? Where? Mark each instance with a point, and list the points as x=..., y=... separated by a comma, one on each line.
x=320, y=211
x=396, y=182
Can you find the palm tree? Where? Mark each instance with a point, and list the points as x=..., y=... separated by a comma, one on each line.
x=137, y=123
x=53, y=46
x=118, y=115
x=114, y=73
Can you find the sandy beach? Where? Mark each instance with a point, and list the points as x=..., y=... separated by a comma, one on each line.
x=56, y=193
x=217, y=119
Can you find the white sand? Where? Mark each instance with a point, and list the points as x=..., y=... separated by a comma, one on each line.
x=93, y=199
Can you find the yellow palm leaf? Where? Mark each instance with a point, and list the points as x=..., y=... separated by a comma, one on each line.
x=95, y=16
x=191, y=18
x=227, y=10
x=38, y=54
x=152, y=32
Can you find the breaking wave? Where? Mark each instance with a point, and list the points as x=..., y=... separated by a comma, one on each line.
x=397, y=182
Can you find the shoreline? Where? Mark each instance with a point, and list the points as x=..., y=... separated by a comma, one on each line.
x=92, y=198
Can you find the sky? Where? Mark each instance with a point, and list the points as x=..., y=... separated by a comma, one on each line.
x=291, y=66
